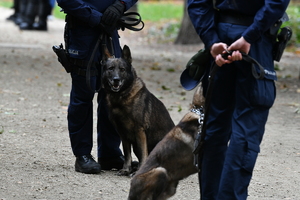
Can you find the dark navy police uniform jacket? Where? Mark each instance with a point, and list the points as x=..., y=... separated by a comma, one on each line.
x=265, y=14
x=83, y=37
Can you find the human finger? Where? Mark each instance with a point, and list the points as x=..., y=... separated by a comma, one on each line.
x=220, y=60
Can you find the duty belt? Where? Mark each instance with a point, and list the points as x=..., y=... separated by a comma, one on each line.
x=234, y=18
x=77, y=63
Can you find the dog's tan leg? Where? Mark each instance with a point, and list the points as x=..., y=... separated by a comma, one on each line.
x=141, y=148
x=128, y=159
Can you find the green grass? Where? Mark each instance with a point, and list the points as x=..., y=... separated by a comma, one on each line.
x=160, y=11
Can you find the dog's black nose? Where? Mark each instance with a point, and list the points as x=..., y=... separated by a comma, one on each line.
x=116, y=79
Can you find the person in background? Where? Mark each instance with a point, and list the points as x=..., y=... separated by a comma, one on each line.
x=85, y=21
x=35, y=17
x=16, y=7
x=239, y=103
x=52, y=4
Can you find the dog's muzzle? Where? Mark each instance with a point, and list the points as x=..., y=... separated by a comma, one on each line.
x=115, y=84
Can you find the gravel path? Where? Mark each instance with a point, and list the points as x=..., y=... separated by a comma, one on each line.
x=36, y=161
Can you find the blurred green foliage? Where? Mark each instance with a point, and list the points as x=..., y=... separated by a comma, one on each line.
x=293, y=12
x=6, y=3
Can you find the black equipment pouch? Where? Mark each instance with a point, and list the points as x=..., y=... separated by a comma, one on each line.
x=63, y=57
x=279, y=36
x=282, y=39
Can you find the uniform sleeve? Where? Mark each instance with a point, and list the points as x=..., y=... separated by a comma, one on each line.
x=129, y=3
x=265, y=18
x=202, y=14
x=81, y=10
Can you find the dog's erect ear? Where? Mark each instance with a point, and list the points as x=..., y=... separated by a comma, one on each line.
x=105, y=52
x=126, y=55
x=198, y=98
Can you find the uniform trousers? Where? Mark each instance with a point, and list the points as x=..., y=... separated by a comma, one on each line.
x=80, y=120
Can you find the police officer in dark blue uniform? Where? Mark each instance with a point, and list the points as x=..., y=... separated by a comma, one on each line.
x=86, y=20
x=240, y=103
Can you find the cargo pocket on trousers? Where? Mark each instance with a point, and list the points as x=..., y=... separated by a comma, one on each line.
x=250, y=157
x=264, y=93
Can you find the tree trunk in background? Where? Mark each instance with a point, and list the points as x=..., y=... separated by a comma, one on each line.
x=187, y=33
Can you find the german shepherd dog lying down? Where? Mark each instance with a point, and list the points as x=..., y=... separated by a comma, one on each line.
x=139, y=117
x=170, y=161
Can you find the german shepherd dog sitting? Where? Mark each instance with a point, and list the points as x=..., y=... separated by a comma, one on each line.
x=171, y=160
x=139, y=117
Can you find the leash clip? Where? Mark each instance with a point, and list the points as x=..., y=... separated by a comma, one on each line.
x=226, y=54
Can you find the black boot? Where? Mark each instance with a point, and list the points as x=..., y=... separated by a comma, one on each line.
x=44, y=10
x=40, y=26
x=30, y=14
x=22, y=11
x=86, y=164
x=16, y=8
x=25, y=26
x=111, y=163
x=116, y=163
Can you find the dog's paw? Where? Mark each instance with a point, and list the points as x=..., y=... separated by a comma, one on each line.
x=132, y=174
x=123, y=172
x=135, y=166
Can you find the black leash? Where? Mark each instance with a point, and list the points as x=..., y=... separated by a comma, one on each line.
x=129, y=21
x=249, y=59
x=88, y=68
x=200, y=144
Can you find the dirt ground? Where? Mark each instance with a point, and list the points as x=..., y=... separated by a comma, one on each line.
x=36, y=161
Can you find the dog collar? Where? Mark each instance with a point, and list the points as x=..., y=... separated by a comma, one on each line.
x=200, y=112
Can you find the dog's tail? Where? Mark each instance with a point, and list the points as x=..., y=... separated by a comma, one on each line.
x=198, y=98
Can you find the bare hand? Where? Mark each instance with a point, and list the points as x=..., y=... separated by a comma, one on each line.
x=217, y=49
x=241, y=44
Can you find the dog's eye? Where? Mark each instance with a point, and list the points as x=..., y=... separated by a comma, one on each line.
x=111, y=68
x=122, y=69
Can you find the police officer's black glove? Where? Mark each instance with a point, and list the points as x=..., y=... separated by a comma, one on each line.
x=113, y=13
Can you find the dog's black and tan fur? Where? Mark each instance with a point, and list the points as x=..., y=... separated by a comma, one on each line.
x=139, y=117
x=170, y=161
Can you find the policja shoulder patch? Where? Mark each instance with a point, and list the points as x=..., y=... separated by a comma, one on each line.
x=195, y=69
